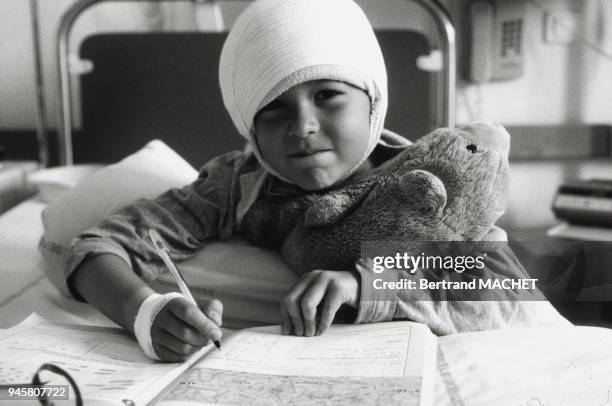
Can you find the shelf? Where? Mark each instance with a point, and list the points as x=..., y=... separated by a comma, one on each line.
x=577, y=232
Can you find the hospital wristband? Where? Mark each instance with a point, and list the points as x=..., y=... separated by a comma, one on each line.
x=147, y=312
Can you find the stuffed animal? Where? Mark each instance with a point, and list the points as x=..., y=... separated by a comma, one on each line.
x=450, y=185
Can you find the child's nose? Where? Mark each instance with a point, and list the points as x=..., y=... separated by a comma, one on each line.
x=304, y=123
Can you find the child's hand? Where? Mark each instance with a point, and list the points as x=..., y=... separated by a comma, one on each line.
x=331, y=289
x=180, y=328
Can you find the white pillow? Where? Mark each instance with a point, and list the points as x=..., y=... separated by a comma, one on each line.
x=249, y=281
x=145, y=174
x=52, y=182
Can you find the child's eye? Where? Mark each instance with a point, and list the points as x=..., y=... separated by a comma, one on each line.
x=273, y=105
x=327, y=94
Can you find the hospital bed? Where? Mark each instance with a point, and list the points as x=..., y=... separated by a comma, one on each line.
x=530, y=366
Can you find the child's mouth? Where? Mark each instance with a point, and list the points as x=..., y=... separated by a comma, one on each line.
x=306, y=153
x=309, y=158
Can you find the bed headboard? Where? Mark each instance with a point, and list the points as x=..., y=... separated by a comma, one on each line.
x=165, y=85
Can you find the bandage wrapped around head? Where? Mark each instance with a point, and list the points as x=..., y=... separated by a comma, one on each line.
x=277, y=44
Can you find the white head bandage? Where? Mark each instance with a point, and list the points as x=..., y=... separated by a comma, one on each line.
x=277, y=44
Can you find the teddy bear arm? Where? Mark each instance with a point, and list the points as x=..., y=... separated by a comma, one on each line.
x=424, y=191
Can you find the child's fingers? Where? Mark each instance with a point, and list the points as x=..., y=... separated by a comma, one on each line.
x=167, y=355
x=333, y=301
x=295, y=315
x=309, y=302
x=286, y=325
x=174, y=344
x=214, y=310
x=181, y=330
x=193, y=316
x=175, y=349
x=291, y=303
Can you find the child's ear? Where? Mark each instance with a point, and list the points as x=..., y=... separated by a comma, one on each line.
x=425, y=192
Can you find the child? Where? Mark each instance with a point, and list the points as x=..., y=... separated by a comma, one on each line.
x=304, y=82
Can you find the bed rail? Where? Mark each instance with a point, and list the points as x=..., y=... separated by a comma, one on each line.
x=445, y=101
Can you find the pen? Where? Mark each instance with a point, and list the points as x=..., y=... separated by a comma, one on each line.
x=163, y=252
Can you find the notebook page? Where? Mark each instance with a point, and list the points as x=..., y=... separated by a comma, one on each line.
x=382, y=363
x=107, y=364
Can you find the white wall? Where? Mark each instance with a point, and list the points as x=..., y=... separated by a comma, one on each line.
x=597, y=90
x=562, y=83
x=17, y=92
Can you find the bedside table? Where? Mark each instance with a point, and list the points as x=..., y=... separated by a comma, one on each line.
x=14, y=187
x=575, y=275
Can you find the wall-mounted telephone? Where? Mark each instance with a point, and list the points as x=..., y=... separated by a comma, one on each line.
x=495, y=35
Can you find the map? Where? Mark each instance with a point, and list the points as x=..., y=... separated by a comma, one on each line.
x=261, y=389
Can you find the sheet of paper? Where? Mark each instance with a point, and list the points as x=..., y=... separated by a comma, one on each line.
x=530, y=366
x=376, y=350
x=380, y=363
x=106, y=363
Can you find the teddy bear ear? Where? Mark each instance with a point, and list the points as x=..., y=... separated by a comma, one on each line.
x=426, y=192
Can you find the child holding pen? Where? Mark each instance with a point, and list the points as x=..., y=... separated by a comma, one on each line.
x=304, y=82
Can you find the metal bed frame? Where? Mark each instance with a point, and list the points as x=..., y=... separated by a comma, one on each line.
x=445, y=103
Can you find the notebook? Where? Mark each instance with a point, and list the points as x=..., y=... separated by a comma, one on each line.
x=384, y=363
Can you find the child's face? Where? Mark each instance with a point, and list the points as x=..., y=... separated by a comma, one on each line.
x=315, y=132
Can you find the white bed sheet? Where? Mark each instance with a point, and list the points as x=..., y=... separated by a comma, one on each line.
x=552, y=366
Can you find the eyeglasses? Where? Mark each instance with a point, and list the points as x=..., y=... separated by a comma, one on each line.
x=38, y=389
